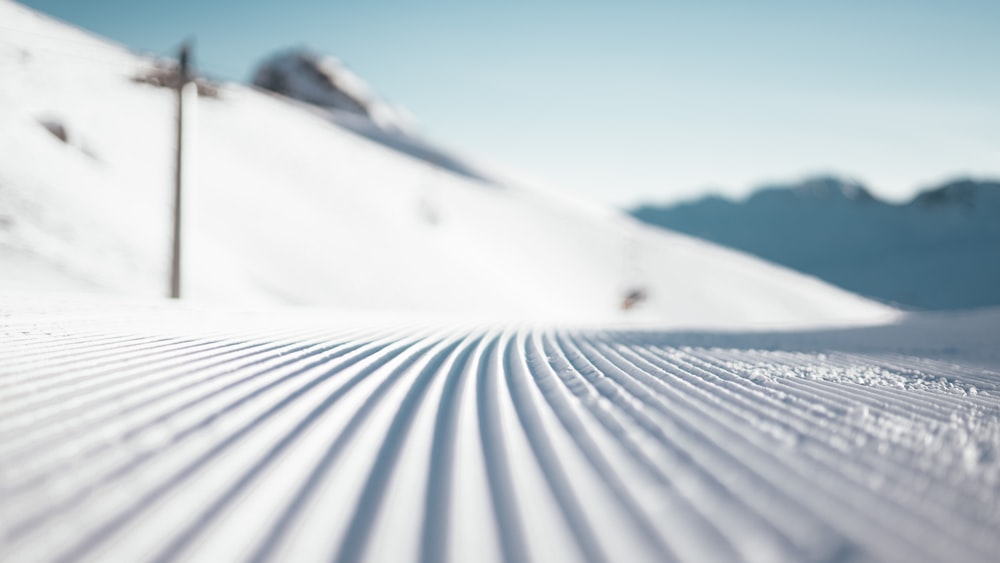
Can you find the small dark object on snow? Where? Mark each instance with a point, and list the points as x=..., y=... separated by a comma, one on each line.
x=56, y=128
x=633, y=297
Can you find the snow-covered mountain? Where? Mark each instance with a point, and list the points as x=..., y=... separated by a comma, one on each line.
x=327, y=82
x=289, y=206
x=138, y=429
x=941, y=250
x=346, y=99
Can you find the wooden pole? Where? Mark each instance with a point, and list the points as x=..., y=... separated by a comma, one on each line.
x=183, y=77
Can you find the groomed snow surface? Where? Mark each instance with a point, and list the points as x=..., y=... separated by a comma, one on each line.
x=132, y=432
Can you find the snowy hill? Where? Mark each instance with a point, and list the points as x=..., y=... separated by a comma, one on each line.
x=140, y=429
x=288, y=206
x=939, y=251
x=347, y=100
x=325, y=81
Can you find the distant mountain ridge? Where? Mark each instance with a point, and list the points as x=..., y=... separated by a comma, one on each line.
x=940, y=250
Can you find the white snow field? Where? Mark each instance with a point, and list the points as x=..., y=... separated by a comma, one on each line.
x=134, y=432
x=287, y=206
x=405, y=412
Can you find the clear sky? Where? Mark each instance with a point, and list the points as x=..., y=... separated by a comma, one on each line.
x=639, y=100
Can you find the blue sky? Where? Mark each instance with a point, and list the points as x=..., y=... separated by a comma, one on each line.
x=638, y=100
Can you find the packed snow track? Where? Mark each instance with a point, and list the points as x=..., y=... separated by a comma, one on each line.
x=142, y=433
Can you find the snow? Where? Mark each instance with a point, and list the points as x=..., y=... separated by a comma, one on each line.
x=132, y=431
x=326, y=81
x=290, y=207
x=459, y=382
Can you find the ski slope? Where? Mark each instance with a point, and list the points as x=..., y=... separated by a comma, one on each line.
x=134, y=432
x=437, y=425
x=287, y=206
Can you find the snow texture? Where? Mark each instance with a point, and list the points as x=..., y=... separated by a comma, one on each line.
x=436, y=426
x=133, y=432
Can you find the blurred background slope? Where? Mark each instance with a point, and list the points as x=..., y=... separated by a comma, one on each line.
x=289, y=206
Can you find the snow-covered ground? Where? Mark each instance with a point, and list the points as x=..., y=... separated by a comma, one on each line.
x=132, y=432
x=406, y=411
x=289, y=207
